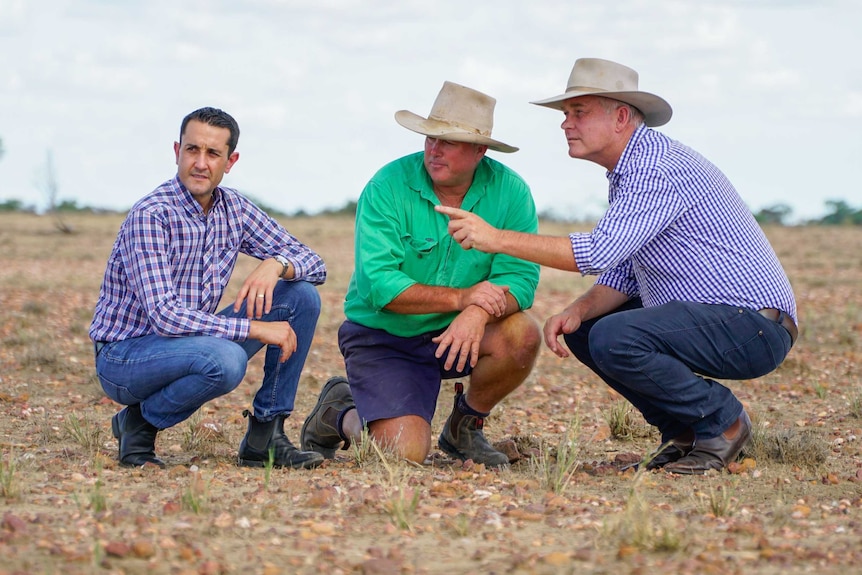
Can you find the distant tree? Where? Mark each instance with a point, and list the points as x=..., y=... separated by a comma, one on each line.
x=348, y=209
x=841, y=214
x=47, y=182
x=774, y=215
x=15, y=206
x=274, y=212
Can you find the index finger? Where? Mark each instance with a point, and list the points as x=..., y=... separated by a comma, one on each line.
x=455, y=213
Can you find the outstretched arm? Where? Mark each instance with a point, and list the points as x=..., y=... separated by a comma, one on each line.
x=472, y=232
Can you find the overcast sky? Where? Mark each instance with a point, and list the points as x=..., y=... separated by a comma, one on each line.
x=769, y=90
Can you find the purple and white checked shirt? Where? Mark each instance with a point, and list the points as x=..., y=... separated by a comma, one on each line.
x=171, y=263
x=677, y=230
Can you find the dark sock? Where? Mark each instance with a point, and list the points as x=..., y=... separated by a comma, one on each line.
x=464, y=408
x=339, y=422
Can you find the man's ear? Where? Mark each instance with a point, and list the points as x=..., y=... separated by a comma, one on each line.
x=623, y=117
x=177, y=152
x=231, y=161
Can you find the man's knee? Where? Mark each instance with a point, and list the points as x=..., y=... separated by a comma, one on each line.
x=521, y=338
x=408, y=436
x=224, y=365
x=301, y=296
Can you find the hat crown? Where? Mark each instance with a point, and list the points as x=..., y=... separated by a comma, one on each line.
x=459, y=114
x=464, y=108
x=597, y=75
x=603, y=78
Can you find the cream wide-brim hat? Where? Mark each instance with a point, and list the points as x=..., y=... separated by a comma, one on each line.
x=597, y=77
x=459, y=114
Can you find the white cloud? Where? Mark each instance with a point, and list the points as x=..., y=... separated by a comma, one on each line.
x=315, y=84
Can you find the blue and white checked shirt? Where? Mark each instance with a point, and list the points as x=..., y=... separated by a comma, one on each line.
x=677, y=230
x=171, y=263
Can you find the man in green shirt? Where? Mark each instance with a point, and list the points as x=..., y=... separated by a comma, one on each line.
x=420, y=308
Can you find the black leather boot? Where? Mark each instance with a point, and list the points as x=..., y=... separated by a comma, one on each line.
x=263, y=436
x=136, y=436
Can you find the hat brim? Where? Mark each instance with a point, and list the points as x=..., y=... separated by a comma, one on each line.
x=656, y=111
x=446, y=131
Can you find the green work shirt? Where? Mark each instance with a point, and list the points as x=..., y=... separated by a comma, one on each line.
x=402, y=241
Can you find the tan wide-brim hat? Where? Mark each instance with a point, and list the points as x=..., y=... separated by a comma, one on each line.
x=597, y=77
x=459, y=114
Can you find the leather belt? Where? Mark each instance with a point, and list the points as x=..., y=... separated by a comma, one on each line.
x=97, y=346
x=783, y=319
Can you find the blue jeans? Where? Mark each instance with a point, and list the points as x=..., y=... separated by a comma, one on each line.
x=662, y=359
x=172, y=377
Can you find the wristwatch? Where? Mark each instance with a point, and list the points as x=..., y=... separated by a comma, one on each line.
x=285, y=265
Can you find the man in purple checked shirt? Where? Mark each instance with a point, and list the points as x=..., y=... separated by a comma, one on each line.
x=162, y=348
x=688, y=287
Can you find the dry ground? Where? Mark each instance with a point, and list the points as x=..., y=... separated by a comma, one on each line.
x=793, y=506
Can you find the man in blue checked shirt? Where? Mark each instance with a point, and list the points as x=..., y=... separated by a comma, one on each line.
x=688, y=287
x=162, y=348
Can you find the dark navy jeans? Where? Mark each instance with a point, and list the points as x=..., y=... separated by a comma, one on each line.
x=172, y=377
x=663, y=360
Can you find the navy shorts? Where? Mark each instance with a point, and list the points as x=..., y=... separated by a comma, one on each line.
x=392, y=376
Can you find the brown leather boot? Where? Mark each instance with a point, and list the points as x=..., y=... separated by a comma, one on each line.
x=462, y=437
x=716, y=452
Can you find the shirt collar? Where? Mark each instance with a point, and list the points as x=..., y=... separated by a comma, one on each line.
x=188, y=203
x=628, y=152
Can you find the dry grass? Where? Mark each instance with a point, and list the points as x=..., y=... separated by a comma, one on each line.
x=565, y=507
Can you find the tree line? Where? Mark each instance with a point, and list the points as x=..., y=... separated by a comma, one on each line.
x=838, y=212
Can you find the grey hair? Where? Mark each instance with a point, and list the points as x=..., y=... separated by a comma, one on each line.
x=636, y=118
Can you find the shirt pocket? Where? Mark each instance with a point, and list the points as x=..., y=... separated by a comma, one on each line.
x=420, y=257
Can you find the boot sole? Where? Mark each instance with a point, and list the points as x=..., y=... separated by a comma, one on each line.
x=310, y=464
x=450, y=449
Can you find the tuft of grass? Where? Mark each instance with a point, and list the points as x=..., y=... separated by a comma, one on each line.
x=460, y=525
x=84, y=432
x=34, y=308
x=624, y=422
x=41, y=358
x=557, y=465
x=362, y=451
x=820, y=390
x=9, y=488
x=802, y=448
x=194, y=496
x=401, y=506
x=98, y=501
x=718, y=501
x=856, y=406
x=268, y=467
x=641, y=526
x=203, y=437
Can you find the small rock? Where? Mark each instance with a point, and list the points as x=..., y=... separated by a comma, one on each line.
x=117, y=549
x=143, y=549
x=509, y=448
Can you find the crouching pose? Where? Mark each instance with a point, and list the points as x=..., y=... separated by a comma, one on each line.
x=420, y=308
x=161, y=348
x=688, y=289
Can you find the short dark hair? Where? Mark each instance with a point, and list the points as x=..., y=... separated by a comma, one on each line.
x=217, y=118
